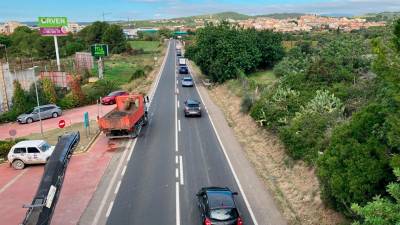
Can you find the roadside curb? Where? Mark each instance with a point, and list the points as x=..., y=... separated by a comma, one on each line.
x=91, y=142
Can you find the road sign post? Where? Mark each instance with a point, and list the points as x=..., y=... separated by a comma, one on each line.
x=99, y=51
x=86, y=123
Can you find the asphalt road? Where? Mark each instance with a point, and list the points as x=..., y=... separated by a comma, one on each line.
x=172, y=159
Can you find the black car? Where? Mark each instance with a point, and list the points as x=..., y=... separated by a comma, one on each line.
x=218, y=207
x=178, y=53
x=183, y=70
x=192, y=108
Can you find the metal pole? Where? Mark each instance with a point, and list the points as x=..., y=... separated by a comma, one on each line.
x=57, y=55
x=38, y=104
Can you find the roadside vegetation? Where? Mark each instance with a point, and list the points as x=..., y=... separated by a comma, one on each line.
x=128, y=62
x=333, y=101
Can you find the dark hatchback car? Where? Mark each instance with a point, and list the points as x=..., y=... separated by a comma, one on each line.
x=218, y=207
x=110, y=98
x=192, y=108
x=183, y=70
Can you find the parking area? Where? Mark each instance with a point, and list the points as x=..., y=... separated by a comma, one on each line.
x=17, y=187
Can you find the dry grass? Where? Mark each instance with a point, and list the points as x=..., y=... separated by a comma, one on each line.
x=294, y=185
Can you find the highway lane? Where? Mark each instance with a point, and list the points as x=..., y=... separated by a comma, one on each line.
x=204, y=163
x=147, y=191
x=173, y=158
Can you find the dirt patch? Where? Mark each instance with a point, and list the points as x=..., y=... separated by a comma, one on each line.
x=294, y=184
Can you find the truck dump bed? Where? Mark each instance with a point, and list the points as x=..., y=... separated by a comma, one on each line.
x=129, y=110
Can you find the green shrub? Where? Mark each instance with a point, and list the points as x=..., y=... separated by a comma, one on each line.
x=138, y=74
x=68, y=102
x=247, y=103
x=99, y=89
x=9, y=116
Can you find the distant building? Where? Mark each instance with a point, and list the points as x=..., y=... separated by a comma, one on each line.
x=130, y=33
x=74, y=27
x=9, y=27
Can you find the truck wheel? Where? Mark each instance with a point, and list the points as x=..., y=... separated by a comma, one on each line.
x=18, y=164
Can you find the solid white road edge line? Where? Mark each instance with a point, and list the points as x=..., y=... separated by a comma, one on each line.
x=181, y=169
x=117, y=188
x=109, y=209
x=123, y=171
x=253, y=218
x=5, y=187
x=178, y=210
x=130, y=147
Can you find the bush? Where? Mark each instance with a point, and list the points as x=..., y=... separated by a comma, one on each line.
x=99, y=89
x=137, y=74
x=247, y=103
x=355, y=167
x=9, y=116
x=68, y=102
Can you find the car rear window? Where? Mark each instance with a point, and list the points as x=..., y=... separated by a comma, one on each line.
x=193, y=105
x=187, y=79
x=223, y=214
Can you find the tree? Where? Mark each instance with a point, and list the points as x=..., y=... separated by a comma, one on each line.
x=115, y=38
x=49, y=91
x=20, y=101
x=45, y=47
x=382, y=211
x=22, y=42
x=396, y=33
x=93, y=33
x=77, y=93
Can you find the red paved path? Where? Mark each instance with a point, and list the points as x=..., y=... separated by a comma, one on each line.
x=70, y=116
x=83, y=175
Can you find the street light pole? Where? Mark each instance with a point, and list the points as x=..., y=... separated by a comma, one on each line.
x=37, y=100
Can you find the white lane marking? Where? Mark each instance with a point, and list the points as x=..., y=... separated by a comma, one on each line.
x=179, y=125
x=181, y=169
x=176, y=120
x=112, y=182
x=117, y=188
x=129, y=156
x=176, y=81
x=154, y=88
x=176, y=172
x=123, y=171
x=253, y=218
x=11, y=182
x=178, y=210
x=177, y=91
x=109, y=209
x=176, y=160
x=178, y=105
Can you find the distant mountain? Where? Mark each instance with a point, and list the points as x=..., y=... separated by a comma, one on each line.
x=281, y=16
x=220, y=16
x=338, y=15
x=383, y=16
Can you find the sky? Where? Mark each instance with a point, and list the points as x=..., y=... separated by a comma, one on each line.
x=91, y=10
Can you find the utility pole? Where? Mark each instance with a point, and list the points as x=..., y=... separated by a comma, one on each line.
x=37, y=99
x=57, y=54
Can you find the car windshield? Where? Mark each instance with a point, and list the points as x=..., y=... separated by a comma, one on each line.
x=187, y=79
x=223, y=214
x=44, y=147
x=112, y=94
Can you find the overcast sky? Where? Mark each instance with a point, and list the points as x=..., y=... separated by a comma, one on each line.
x=91, y=10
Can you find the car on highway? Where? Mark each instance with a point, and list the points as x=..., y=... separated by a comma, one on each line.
x=29, y=152
x=192, y=108
x=218, y=207
x=183, y=70
x=46, y=111
x=178, y=52
x=110, y=98
x=187, y=81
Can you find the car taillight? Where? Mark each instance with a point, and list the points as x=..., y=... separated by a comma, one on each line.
x=239, y=221
x=207, y=222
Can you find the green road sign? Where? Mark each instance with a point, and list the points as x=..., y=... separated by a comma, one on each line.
x=52, y=22
x=99, y=50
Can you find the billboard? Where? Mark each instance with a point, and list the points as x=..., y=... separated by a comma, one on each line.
x=53, y=31
x=52, y=22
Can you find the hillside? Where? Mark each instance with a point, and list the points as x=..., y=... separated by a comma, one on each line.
x=383, y=16
x=282, y=15
x=219, y=16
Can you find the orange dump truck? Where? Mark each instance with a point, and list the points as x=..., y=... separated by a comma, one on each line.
x=127, y=119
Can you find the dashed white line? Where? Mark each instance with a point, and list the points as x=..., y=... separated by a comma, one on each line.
x=176, y=160
x=179, y=125
x=181, y=169
x=178, y=105
x=123, y=171
x=117, y=188
x=178, y=210
x=109, y=209
x=176, y=172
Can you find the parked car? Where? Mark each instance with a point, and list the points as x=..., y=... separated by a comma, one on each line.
x=110, y=98
x=218, y=207
x=187, y=82
x=183, y=70
x=29, y=152
x=192, y=108
x=46, y=111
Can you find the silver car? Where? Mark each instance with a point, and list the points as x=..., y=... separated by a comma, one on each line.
x=187, y=82
x=46, y=111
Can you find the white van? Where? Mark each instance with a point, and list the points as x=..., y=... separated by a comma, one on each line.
x=29, y=152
